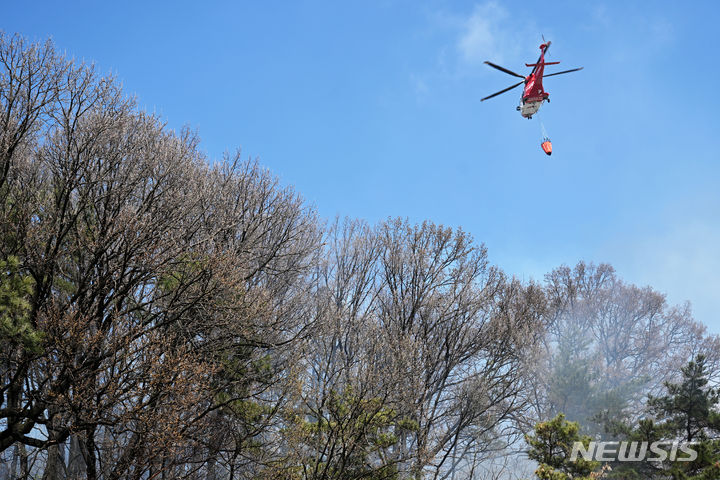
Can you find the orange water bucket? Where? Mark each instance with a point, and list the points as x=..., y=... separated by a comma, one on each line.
x=547, y=146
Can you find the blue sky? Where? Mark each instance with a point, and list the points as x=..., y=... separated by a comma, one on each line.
x=371, y=109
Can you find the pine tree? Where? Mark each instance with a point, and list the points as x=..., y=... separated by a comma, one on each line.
x=688, y=413
x=551, y=446
x=15, y=327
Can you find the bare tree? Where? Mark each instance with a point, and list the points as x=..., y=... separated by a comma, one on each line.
x=163, y=290
x=611, y=343
x=416, y=321
x=472, y=328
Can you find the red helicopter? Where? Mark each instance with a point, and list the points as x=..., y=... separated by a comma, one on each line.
x=533, y=94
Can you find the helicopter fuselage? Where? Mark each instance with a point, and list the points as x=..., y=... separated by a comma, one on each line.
x=529, y=108
x=533, y=93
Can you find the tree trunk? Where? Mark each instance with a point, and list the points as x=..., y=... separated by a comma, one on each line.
x=19, y=469
x=76, y=460
x=55, y=465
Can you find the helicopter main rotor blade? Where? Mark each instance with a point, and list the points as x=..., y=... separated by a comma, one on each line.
x=503, y=69
x=565, y=71
x=502, y=91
